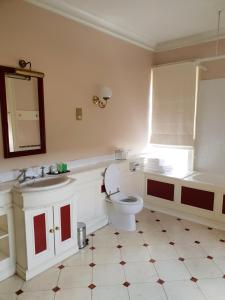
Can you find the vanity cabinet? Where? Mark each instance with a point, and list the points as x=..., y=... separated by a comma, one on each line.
x=46, y=229
x=50, y=232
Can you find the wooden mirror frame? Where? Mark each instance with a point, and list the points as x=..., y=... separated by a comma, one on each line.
x=4, y=114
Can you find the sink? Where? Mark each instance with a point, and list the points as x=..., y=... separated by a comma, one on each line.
x=42, y=184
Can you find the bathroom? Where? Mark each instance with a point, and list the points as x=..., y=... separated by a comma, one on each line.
x=143, y=159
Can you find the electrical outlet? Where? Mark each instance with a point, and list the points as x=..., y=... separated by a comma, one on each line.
x=79, y=115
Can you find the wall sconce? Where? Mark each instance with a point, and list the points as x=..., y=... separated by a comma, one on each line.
x=104, y=95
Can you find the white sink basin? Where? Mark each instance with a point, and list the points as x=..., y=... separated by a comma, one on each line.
x=42, y=184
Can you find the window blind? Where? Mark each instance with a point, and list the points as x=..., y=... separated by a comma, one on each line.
x=173, y=104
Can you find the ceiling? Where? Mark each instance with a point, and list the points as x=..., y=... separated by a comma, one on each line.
x=153, y=24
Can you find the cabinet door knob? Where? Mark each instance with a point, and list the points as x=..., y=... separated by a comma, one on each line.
x=51, y=230
x=57, y=228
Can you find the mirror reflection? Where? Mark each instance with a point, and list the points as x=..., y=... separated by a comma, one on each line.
x=22, y=112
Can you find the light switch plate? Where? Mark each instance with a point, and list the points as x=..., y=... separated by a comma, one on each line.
x=79, y=115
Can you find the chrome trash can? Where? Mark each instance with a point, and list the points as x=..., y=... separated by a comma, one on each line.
x=81, y=235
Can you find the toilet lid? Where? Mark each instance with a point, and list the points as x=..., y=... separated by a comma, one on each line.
x=112, y=179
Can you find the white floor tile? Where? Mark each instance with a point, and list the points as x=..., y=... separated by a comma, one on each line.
x=107, y=275
x=137, y=272
x=156, y=237
x=10, y=285
x=45, y=281
x=8, y=296
x=83, y=257
x=46, y=295
x=110, y=293
x=146, y=291
x=79, y=276
x=106, y=255
x=202, y=268
x=164, y=251
x=135, y=253
x=73, y=294
x=213, y=289
x=190, y=250
x=220, y=262
x=105, y=241
x=183, y=290
x=216, y=249
x=135, y=239
x=172, y=270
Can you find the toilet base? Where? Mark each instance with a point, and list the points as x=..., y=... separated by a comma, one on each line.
x=121, y=221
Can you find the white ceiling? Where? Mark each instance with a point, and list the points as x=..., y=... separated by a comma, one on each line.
x=152, y=24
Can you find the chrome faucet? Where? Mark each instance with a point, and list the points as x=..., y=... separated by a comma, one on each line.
x=23, y=176
x=42, y=172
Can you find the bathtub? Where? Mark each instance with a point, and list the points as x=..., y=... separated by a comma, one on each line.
x=207, y=179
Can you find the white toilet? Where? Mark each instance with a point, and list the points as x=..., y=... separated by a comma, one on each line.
x=122, y=208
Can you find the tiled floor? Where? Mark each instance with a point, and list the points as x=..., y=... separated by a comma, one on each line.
x=166, y=258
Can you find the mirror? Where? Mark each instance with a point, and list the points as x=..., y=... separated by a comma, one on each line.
x=22, y=112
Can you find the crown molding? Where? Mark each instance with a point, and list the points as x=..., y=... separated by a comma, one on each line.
x=93, y=21
x=191, y=40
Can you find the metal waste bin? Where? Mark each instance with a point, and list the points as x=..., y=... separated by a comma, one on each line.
x=81, y=235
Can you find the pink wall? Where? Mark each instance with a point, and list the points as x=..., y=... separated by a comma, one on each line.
x=75, y=60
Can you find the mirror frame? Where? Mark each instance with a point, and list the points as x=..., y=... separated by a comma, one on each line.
x=4, y=115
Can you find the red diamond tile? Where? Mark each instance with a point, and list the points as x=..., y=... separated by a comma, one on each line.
x=92, y=265
x=92, y=234
x=178, y=219
x=164, y=230
x=197, y=242
x=145, y=245
x=224, y=276
x=92, y=248
x=194, y=279
x=137, y=221
x=209, y=257
x=187, y=229
x=210, y=228
x=119, y=246
x=222, y=241
x=61, y=267
x=56, y=289
x=160, y=281
x=140, y=232
x=181, y=258
x=152, y=261
x=116, y=233
x=157, y=220
x=122, y=263
x=19, y=292
x=172, y=243
x=92, y=286
x=126, y=284
x=152, y=211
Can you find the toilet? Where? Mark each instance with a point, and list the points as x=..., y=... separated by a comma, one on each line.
x=121, y=207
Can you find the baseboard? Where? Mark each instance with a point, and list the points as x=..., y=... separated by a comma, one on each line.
x=96, y=224
x=186, y=216
x=28, y=274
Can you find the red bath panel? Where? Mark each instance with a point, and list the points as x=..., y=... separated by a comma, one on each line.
x=160, y=189
x=197, y=198
x=223, y=211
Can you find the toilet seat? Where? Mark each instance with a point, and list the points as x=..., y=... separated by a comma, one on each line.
x=123, y=199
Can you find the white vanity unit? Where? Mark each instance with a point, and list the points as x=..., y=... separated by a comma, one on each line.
x=45, y=216
x=7, y=247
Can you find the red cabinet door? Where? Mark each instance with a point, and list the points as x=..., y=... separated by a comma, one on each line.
x=65, y=226
x=39, y=235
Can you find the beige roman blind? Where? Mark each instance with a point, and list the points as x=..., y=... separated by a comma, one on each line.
x=173, y=104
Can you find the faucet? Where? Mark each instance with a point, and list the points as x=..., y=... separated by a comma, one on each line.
x=42, y=172
x=23, y=176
